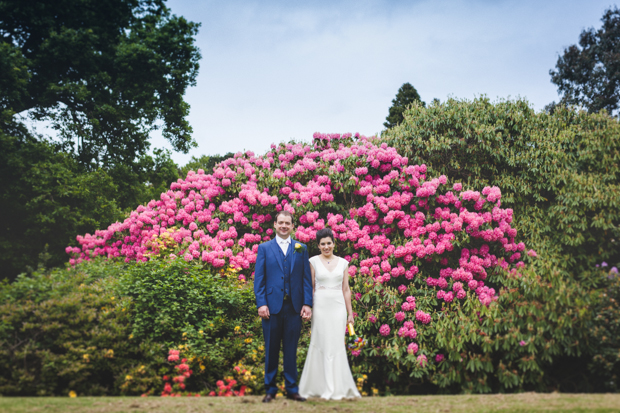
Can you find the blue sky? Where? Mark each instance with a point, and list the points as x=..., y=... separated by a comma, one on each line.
x=272, y=71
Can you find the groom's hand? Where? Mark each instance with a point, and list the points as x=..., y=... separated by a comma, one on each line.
x=306, y=312
x=263, y=312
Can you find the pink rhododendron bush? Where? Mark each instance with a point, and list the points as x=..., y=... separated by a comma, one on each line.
x=437, y=269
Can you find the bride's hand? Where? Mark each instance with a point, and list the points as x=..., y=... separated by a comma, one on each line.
x=350, y=319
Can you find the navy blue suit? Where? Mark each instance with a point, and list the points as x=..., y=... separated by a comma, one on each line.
x=275, y=276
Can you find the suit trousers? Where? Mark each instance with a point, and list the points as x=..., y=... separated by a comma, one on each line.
x=282, y=328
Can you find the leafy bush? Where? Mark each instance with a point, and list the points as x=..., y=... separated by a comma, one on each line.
x=104, y=328
x=419, y=249
x=212, y=317
x=65, y=331
x=560, y=174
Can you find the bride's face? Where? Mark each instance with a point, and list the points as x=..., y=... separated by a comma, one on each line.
x=326, y=245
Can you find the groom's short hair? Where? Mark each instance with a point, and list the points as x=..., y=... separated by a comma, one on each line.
x=286, y=214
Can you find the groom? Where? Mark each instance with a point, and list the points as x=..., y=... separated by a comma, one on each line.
x=283, y=290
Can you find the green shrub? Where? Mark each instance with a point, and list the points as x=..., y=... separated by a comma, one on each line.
x=65, y=331
x=212, y=318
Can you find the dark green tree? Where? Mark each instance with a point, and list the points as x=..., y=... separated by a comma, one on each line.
x=45, y=200
x=588, y=74
x=105, y=73
x=406, y=95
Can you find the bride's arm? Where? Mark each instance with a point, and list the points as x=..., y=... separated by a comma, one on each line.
x=346, y=291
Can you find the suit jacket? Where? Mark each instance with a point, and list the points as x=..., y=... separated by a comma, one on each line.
x=269, y=277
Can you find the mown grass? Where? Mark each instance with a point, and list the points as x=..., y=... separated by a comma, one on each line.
x=524, y=402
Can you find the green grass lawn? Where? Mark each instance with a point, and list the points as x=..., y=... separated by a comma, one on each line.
x=524, y=402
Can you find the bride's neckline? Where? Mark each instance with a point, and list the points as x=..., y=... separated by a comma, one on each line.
x=325, y=266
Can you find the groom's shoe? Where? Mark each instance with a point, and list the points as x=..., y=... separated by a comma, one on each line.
x=296, y=397
x=268, y=397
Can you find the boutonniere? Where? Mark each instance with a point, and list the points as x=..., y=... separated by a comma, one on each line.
x=298, y=248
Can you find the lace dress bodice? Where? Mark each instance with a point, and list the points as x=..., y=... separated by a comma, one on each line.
x=328, y=280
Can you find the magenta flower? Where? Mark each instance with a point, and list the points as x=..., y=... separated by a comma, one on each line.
x=412, y=348
x=372, y=318
x=439, y=357
x=384, y=330
x=400, y=316
x=422, y=317
x=522, y=343
x=422, y=360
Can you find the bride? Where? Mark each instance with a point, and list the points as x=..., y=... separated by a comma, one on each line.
x=326, y=373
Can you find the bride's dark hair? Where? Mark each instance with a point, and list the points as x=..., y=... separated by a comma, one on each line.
x=324, y=233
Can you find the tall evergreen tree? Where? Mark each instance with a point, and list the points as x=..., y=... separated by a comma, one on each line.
x=406, y=95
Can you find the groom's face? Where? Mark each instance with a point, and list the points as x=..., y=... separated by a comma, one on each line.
x=283, y=226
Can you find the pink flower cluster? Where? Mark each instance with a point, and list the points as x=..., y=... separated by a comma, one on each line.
x=183, y=373
x=173, y=355
x=393, y=221
x=423, y=317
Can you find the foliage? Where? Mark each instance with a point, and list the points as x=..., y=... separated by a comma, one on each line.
x=559, y=173
x=76, y=330
x=210, y=316
x=406, y=95
x=143, y=180
x=103, y=72
x=45, y=199
x=605, y=365
x=586, y=74
x=71, y=332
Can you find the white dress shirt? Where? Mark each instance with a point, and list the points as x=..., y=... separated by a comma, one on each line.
x=283, y=243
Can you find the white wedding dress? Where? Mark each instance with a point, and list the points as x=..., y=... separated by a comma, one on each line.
x=326, y=373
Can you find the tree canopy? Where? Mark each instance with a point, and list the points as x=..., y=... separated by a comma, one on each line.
x=105, y=73
x=406, y=95
x=588, y=74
